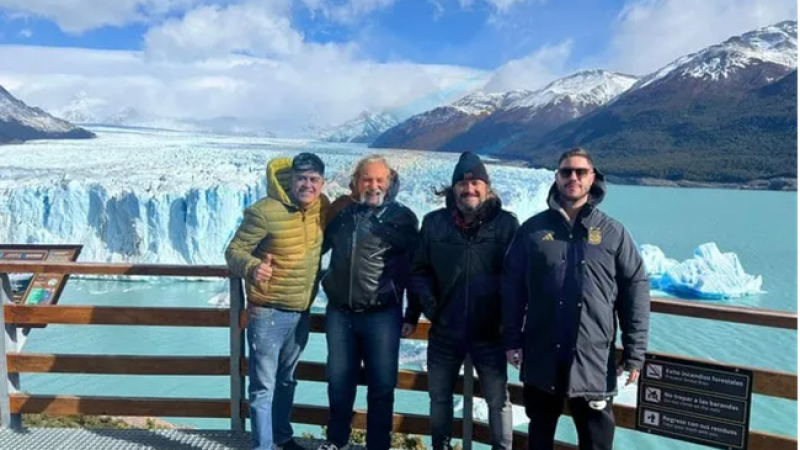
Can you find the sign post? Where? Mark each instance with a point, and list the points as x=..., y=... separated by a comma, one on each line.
x=695, y=401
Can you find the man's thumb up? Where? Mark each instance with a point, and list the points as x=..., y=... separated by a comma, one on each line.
x=264, y=270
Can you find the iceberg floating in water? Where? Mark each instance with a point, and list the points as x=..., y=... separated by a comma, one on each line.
x=656, y=263
x=710, y=274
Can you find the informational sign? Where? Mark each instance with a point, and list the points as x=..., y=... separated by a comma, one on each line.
x=42, y=288
x=695, y=401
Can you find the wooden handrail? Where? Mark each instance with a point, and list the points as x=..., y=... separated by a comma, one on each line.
x=60, y=405
x=118, y=364
x=82, y=268
x=765, y=382
x=116, y=315
x=738, y=314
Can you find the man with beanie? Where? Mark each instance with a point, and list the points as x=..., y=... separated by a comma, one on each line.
x=276, y=250
x=570, y=272
x=455, y=281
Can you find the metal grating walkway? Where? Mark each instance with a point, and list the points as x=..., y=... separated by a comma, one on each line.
x=128, y=439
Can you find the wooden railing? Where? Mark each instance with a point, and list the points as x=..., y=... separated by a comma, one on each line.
x=13, y=403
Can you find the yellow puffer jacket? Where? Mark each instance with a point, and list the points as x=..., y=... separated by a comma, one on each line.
x=275, y=225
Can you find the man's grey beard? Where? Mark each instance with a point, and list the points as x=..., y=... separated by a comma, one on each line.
x=465, y=208
x=381, y=197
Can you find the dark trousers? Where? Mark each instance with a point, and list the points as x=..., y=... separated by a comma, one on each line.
x=374, y=339
x=445, y=358
x=595, y=428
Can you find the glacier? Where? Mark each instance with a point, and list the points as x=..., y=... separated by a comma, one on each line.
x=709, y=274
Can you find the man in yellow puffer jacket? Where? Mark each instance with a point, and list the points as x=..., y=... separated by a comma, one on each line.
x=276, y=250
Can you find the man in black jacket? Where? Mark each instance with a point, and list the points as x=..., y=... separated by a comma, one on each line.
x=568, y=272
x=372, y=239
x=456, y=281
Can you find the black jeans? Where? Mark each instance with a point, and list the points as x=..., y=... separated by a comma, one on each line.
x=445, y=358
x=595, y=428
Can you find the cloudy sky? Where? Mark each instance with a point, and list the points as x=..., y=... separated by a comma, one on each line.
x=290, y=63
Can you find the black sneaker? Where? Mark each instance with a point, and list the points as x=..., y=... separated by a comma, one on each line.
x=291, y=444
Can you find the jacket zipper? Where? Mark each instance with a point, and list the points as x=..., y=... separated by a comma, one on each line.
x=306, y=293
x=467, y=314
x=353, y=261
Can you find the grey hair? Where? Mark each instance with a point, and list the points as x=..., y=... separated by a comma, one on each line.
x=363, y=162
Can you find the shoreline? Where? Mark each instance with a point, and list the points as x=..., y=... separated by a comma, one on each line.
x=781, y=184
x=149, y=423
x=777, y=184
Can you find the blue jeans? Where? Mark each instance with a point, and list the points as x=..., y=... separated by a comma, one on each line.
x=445, y=358
x=374, y=339
x=275, y=341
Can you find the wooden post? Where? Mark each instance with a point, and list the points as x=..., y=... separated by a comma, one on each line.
x=237, y=352
x=8, y=382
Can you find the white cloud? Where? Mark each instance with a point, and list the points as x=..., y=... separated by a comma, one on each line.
x=532, y=71
x=500, y=6
x=77, y=16
x=25, y=33
x=347, y=11
x=649, y=34
x=438, y=9
x=213, y=31
x=316, y=85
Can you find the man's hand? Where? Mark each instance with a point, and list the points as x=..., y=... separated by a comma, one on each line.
x=264, y=270
x=408, y=329
x=514, y=357
x=632, y=376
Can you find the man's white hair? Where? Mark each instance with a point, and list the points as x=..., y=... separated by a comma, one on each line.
x=363, y=162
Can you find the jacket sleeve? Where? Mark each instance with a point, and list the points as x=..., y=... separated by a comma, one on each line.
x=239, y=254
x=421, y=292
x=514, y=291
x=633, y=302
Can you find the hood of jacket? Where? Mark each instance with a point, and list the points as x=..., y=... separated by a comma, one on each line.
x=279, y=180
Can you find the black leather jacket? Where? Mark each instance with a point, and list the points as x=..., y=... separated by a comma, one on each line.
x=371, y=256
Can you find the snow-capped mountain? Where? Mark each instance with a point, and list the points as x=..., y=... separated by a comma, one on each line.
x=433, y=128
x=82, y=108
x=772, y=50
x=484, y=121
x=86, y=109
x=362, y=129
x=20, y=122
x=585, y=89
x=726, y=113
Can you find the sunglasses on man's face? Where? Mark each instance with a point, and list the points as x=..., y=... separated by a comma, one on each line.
x=566, y=172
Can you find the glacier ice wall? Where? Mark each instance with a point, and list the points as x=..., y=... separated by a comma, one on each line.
x=192, y=226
